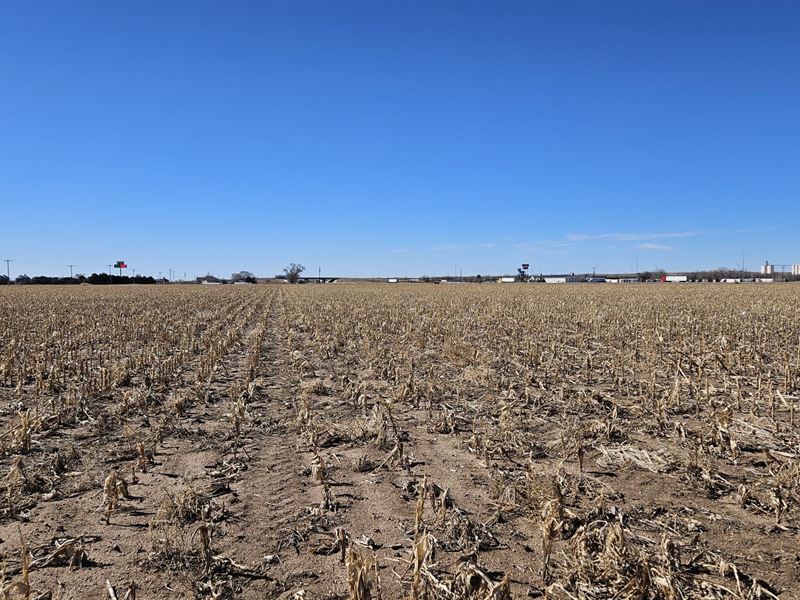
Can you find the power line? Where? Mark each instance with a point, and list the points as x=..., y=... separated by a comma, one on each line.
x=8, y=267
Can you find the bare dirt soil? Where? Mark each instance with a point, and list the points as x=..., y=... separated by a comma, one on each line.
x=327, y=442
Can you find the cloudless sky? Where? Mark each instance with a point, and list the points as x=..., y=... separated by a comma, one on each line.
x=398, y=138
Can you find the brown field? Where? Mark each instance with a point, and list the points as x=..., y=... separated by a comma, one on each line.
x=425, y=442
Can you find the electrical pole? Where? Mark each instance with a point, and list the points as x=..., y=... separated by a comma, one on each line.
x=743, y=269
x=637, y=264
x=109, y=272
x=319, y=274
x=593, y=271
x=8, y=268
x=70, y=270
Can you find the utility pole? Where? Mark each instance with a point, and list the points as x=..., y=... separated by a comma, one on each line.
x=637, y=264
x=319, y=274
x=70, y=270
x=109, y=272
x=743, y=269
x=593, y=271
x=8, y=268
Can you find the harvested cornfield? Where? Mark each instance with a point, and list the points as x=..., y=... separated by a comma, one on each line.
x=405, y=441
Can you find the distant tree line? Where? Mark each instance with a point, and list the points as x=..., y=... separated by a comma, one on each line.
x=94, y=279
x=238, y=277
x=106, y=279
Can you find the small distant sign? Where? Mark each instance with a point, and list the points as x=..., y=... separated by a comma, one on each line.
x=525, y=266
x=120, y=264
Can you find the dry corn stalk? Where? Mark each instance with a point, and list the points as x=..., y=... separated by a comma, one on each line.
x=114, y=488
x=362, y=574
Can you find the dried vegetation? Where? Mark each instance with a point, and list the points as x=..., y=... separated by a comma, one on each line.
x=423, y=442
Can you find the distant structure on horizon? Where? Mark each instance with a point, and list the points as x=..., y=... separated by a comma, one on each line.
x=561, y=279
x=768, y=269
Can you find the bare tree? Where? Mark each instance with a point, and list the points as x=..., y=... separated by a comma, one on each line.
x=293, y=272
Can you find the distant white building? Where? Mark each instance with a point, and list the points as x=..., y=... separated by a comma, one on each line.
x=506, y=280
x=561, y=279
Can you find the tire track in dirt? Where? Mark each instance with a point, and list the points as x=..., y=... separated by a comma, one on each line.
x=377, y=504
x=268, y=531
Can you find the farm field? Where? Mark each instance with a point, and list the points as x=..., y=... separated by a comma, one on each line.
x=400, y=441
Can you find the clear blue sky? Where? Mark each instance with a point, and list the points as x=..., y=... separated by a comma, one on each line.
x=399, y=138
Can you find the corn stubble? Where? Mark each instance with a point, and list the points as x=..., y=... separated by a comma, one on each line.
x=613, y=436
x=554, y=392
